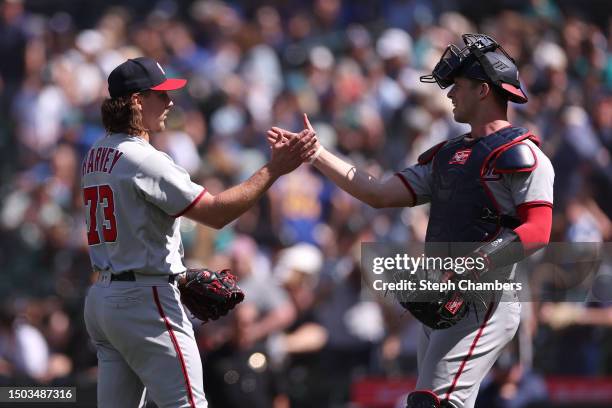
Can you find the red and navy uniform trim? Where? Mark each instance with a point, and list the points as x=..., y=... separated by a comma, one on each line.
x=408, y=186
x=484, y=168
x=177, y=348
x=451, y=389
x=523, y=170
x=190, y=206
x=429, y=154
x=535, y=203
x=485, y=163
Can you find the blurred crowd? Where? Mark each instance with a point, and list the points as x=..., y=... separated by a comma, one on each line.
x=307, y=328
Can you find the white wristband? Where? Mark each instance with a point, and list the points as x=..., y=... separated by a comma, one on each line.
x=316, y=154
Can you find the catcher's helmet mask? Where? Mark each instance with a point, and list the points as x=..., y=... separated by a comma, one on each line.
x=480, y=60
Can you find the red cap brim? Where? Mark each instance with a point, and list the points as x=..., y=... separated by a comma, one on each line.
x=170, y=84
x=516, y=94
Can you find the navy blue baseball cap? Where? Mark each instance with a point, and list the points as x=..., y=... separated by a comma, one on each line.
x=140, y=74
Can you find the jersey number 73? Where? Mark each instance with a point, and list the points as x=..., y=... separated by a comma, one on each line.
x=96, y=197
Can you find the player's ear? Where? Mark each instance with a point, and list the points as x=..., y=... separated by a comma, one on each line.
x=137, y=100
x=485, y=89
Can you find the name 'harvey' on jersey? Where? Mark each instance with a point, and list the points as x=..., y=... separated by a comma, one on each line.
x=101, y=159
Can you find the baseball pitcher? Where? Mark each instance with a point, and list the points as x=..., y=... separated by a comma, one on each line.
x=134, y=196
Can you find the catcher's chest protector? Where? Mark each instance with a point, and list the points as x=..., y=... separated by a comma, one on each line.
x=462, y=209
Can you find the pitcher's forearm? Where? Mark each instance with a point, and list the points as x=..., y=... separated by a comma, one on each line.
x=219, y=210
x=235, y=201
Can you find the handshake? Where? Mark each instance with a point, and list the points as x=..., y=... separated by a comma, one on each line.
x=290, y=149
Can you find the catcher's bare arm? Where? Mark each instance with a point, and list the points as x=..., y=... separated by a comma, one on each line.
x=358, y=183
x=218, y=210
x=362, y=185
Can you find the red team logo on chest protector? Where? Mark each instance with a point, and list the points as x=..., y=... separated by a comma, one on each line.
x=460, y=156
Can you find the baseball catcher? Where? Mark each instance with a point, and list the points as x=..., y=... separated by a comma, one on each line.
x=490, y=192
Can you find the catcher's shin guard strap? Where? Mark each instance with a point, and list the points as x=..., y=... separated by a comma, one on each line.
x=422, y=399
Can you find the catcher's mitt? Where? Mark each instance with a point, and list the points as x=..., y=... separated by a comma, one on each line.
x=209, y=295
x=437, y=309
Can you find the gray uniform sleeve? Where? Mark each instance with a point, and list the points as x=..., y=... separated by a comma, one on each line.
x=534, y=186
x=166, y=185
x=417, y=179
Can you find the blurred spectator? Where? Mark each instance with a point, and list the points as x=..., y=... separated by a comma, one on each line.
x=299, y=204
x=274, y=309
x=354, y=322
x=511, y=385
x=234, y=352
x=297, y=349
x=23, y=349
x=239, y=373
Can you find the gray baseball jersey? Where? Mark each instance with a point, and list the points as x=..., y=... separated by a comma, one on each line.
x=453, y=362
x=134, y=195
